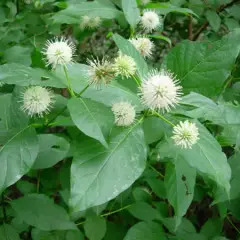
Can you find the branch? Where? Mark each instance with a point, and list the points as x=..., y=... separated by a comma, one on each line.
x=204, y=26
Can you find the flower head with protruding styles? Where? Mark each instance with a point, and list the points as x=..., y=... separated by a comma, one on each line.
x=101, y=72
x=124, y=65
x=144, y=45
x=37, y=101
x=59, y=52
x=89, y=22
x=160, y=91
x=124, y=113
x=185, y=134
x=150, y=21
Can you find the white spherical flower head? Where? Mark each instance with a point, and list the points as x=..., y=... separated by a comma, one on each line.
x=144, y=45
x=150, y=21
x=124, y=65
x=101, y=72
x=37, y=101
x=59, y=52
x=90, y=22
x=185, y=134
x=160, y=91
x=124, y=113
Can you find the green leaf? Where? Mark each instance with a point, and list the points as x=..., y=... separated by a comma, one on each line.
x=213, y=19
x=38, y=234
x=92, y=118
x=145, y=230
x=7, y=232
x=206, y=156
x=52, y=150
x=179, y=182
x=40, y=211
x=95, y=228
x=212, y=228
x=157, y=186
x=21, y=75
x=165, y=8
x=144, y=212
x=99, y=175
x=18, y=54
x=127, y=48
x=72, y=14
x=204, y=67
x=131, y=12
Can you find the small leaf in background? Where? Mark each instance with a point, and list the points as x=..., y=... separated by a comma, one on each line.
x=40, y=211
x=7, y=232
x=131, y=12
x=52, y=149
x=212, y=227
x=145, y=230
x=213, y=19
x=95, y=228
x=179, y=182
x=92, y=118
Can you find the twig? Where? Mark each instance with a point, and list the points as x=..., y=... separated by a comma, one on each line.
x=230, y=221
x=190, y=29
x=109, y=213
x=204, y=26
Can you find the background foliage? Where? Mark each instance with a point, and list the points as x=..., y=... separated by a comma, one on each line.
x=73, y=175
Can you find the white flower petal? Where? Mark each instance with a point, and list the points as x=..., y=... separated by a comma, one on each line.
x=150, y=21
x=144, y=45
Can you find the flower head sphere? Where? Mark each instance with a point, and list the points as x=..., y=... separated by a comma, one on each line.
x=37, y=101
x=90, y=22
x=59, y=52
x=101, y=72
x=160, y=91
x=124, y=113
x=124, y=65
x=144, y=45
x=185, y=134
x=150, y=21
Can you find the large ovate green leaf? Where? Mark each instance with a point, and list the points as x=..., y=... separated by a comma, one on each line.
x=99, y=175
x=131, y=12
x=40, y=211
x=206, y=156
x=179, y=182
x=92, y=118
x=204, y=67
x=14, y=73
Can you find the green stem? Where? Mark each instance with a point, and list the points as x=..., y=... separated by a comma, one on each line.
x=230, y=221
x=4, y=209
x=163, y=118
x=69, y=82
x=59, y=113
x=136, y=80
x=109, y=213
x=84, y=89
x=155, y=170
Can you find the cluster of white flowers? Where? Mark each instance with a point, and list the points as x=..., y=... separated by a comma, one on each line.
x=144, y=45
x=124, y=113
x=185, y=134
x=159, y=91
x=88, y=22
x=150, y=21
x=59, y=52
x=37, y=101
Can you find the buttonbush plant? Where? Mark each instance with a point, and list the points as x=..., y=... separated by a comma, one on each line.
x=119, y=119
